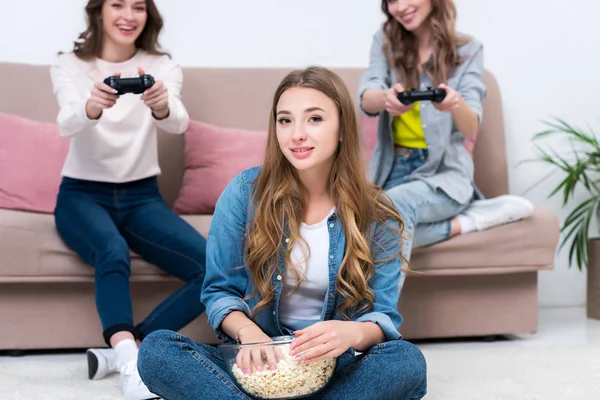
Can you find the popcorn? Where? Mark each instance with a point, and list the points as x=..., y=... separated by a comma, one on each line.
x=290, y=379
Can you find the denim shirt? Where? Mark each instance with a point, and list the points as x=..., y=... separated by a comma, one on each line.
x=449, y=166
x=226, y=284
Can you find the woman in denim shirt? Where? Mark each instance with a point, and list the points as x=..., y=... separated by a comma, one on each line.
x=420, y=158
x=303, y=246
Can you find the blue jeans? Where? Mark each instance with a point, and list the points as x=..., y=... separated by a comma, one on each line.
x=102, y=221
x=177, y=368
x=426, y=212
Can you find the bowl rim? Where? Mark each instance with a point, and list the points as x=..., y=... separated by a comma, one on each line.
x=275, y=341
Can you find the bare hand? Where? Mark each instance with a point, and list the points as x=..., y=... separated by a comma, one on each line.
x=250, y=358
x=392, y=104
x=156, y=98
x=323, y=340
x=102, y=97
x=452, y=100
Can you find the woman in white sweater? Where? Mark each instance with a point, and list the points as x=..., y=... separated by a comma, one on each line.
x=109, y=200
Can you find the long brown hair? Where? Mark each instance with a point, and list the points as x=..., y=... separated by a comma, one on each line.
x=89, y=43
x=402, y=48
x=279, y=197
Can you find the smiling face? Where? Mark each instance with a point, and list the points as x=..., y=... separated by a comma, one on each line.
x=123, y=21
x=411, y=14
x=307, y=129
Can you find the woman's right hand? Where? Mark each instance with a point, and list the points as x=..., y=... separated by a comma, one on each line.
x=392, y=104
x=250, y=358
x=102, y=97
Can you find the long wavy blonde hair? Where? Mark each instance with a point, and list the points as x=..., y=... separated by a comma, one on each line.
x=279, y=197
x=402, y=47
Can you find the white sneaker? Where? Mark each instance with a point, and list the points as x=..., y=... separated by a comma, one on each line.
x=499, y=210
x=132, y=386
x=101, y=362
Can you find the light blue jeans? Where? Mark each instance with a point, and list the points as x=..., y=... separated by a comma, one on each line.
x=178, y=368
x=426, y=212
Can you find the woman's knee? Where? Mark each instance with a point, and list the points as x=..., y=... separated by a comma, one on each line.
x=107, y=254
x=409, y=362
x=112, y=255
x=114, y=247
x=89, y=231
x=154, y=352
x=197, y=269
x=196, y=247
x=404, y=201
x=157, y=342
x=417, y=361
x=192, y=245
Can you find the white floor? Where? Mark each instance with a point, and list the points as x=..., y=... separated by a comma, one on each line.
x=560, y=362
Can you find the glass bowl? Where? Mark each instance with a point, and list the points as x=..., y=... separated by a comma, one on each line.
x=289, y=380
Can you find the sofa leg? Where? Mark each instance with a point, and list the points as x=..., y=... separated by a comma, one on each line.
x=15, y=353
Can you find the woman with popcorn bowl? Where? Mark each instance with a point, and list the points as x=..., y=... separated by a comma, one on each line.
x=303, y=246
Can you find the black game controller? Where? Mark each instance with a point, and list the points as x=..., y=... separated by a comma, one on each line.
x=436, y=95
x=130, y=85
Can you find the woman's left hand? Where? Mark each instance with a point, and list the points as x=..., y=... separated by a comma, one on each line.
x=451, y=102
x=156, y=98
x=324, y=340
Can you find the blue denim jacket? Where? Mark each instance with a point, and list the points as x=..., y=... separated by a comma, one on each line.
x=449, y=166
x=225, y=285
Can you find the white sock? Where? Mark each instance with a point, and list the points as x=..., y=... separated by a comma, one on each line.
x=467, y=224
x=126, y=351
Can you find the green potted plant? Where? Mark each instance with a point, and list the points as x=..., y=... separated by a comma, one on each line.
x=580, y=169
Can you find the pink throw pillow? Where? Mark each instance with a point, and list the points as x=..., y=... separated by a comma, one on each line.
x=213, y=157
x=368, y=130
x=31, y=158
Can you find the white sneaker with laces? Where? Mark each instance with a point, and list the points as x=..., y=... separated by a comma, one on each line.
x=132, y=386
x=101, y=362
x=499, y=210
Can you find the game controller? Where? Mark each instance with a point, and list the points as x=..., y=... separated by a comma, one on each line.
x=436, y=95
x=130, y=85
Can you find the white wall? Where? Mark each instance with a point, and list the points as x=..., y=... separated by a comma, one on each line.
x=545, y=56
x=543, y=52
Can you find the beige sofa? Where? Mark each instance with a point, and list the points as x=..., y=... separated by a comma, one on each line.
x=477, y=284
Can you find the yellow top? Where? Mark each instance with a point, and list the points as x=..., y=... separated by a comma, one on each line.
x=407, y=129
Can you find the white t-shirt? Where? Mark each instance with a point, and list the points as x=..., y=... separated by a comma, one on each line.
x=307, y=302
x=120, y=146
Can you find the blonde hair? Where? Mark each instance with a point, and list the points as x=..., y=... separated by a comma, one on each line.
x=279, y=201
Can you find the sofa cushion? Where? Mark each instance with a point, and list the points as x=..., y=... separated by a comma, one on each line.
x=526, y=245
x=213, y=156
x=529, y=244
x=32, y=250
x=31, y=158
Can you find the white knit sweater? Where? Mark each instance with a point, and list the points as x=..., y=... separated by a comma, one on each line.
x=120, y=146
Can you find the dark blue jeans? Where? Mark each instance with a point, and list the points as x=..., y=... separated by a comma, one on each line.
x=102, y=221
x=178, y=368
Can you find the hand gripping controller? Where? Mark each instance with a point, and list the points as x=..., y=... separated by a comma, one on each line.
x=436, y=95
x=130, y=85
